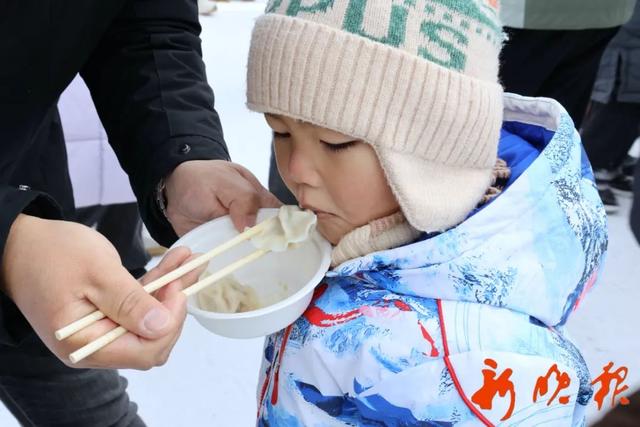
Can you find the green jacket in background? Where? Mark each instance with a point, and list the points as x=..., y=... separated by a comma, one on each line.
x=565, y=14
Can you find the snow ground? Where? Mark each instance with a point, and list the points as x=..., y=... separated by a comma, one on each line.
x=211, y=381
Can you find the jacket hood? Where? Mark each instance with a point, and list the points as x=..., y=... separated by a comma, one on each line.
x=535, y=249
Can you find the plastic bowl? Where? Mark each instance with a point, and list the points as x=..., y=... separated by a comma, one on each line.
x=283, y=281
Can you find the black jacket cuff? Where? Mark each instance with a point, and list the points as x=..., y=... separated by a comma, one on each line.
x=178, y=150
x=14, y=201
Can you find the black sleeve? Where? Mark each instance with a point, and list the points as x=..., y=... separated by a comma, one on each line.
x=148, y=82
x=15, y=201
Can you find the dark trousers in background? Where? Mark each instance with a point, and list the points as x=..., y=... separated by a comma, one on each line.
x=277, y=186
x=555, y=64
x=39, y=389
x=609, y=131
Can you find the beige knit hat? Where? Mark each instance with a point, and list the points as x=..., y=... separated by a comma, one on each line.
x=416, y=79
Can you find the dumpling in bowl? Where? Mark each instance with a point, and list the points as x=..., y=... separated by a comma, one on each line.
x=227, y=296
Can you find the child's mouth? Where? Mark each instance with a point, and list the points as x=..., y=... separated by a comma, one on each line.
x=315, y=210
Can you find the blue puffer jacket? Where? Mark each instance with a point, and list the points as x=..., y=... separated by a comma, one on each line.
x=417, y=335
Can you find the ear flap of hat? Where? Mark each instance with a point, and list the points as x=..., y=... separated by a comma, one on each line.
x=433, y=196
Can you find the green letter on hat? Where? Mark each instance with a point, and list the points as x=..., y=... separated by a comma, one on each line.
x=273, y=5
x=354, y=23
x=457, y=58
x=295, y=7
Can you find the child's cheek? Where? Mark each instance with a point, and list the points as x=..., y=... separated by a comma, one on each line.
x=333, y=229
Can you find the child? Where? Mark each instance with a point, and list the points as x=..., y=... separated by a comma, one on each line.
x=446, y=300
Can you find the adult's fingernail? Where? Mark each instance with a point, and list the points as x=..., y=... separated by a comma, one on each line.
x=250, y=220
x=156, y=319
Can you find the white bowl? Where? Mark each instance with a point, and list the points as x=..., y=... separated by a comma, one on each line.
x=283, y=281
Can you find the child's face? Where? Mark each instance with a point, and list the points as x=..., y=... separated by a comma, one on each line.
x=337, y=177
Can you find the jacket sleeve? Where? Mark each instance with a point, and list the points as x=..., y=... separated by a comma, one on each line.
x=148, y=82
x=15, y=201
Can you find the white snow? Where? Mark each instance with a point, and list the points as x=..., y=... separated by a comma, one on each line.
x=211, y=381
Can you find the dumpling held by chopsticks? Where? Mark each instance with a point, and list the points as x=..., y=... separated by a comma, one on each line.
x=292, y=225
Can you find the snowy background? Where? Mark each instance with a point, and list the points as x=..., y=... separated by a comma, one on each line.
x=211, y=381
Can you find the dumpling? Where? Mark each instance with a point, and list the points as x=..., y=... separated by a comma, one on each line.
x=228, y=296
x=293, y=225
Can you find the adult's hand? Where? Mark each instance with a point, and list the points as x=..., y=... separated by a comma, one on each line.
x=200, y=190
x=57, y=272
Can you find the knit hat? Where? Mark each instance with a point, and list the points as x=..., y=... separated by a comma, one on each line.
x=416, y=79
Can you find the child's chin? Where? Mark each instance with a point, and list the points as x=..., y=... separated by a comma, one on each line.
x=330, y=231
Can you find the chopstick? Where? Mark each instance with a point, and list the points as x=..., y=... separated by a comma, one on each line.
x=117, y=332
x=91, y=318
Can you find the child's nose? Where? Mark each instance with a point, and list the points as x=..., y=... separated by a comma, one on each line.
x=302, y=166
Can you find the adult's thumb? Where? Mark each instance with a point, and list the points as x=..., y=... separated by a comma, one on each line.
x=125, y=302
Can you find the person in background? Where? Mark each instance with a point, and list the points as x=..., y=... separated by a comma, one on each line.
x=561, y=41
x=613, y=121
x=628, y=415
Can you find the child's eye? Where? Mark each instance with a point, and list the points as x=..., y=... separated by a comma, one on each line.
x=281, y=135
x=339, y=147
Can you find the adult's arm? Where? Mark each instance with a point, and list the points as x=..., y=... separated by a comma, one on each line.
x=148, y=82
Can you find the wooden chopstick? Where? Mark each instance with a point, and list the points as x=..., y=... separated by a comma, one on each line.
x=208, y=281
x=117, y=332
x=93, y=317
